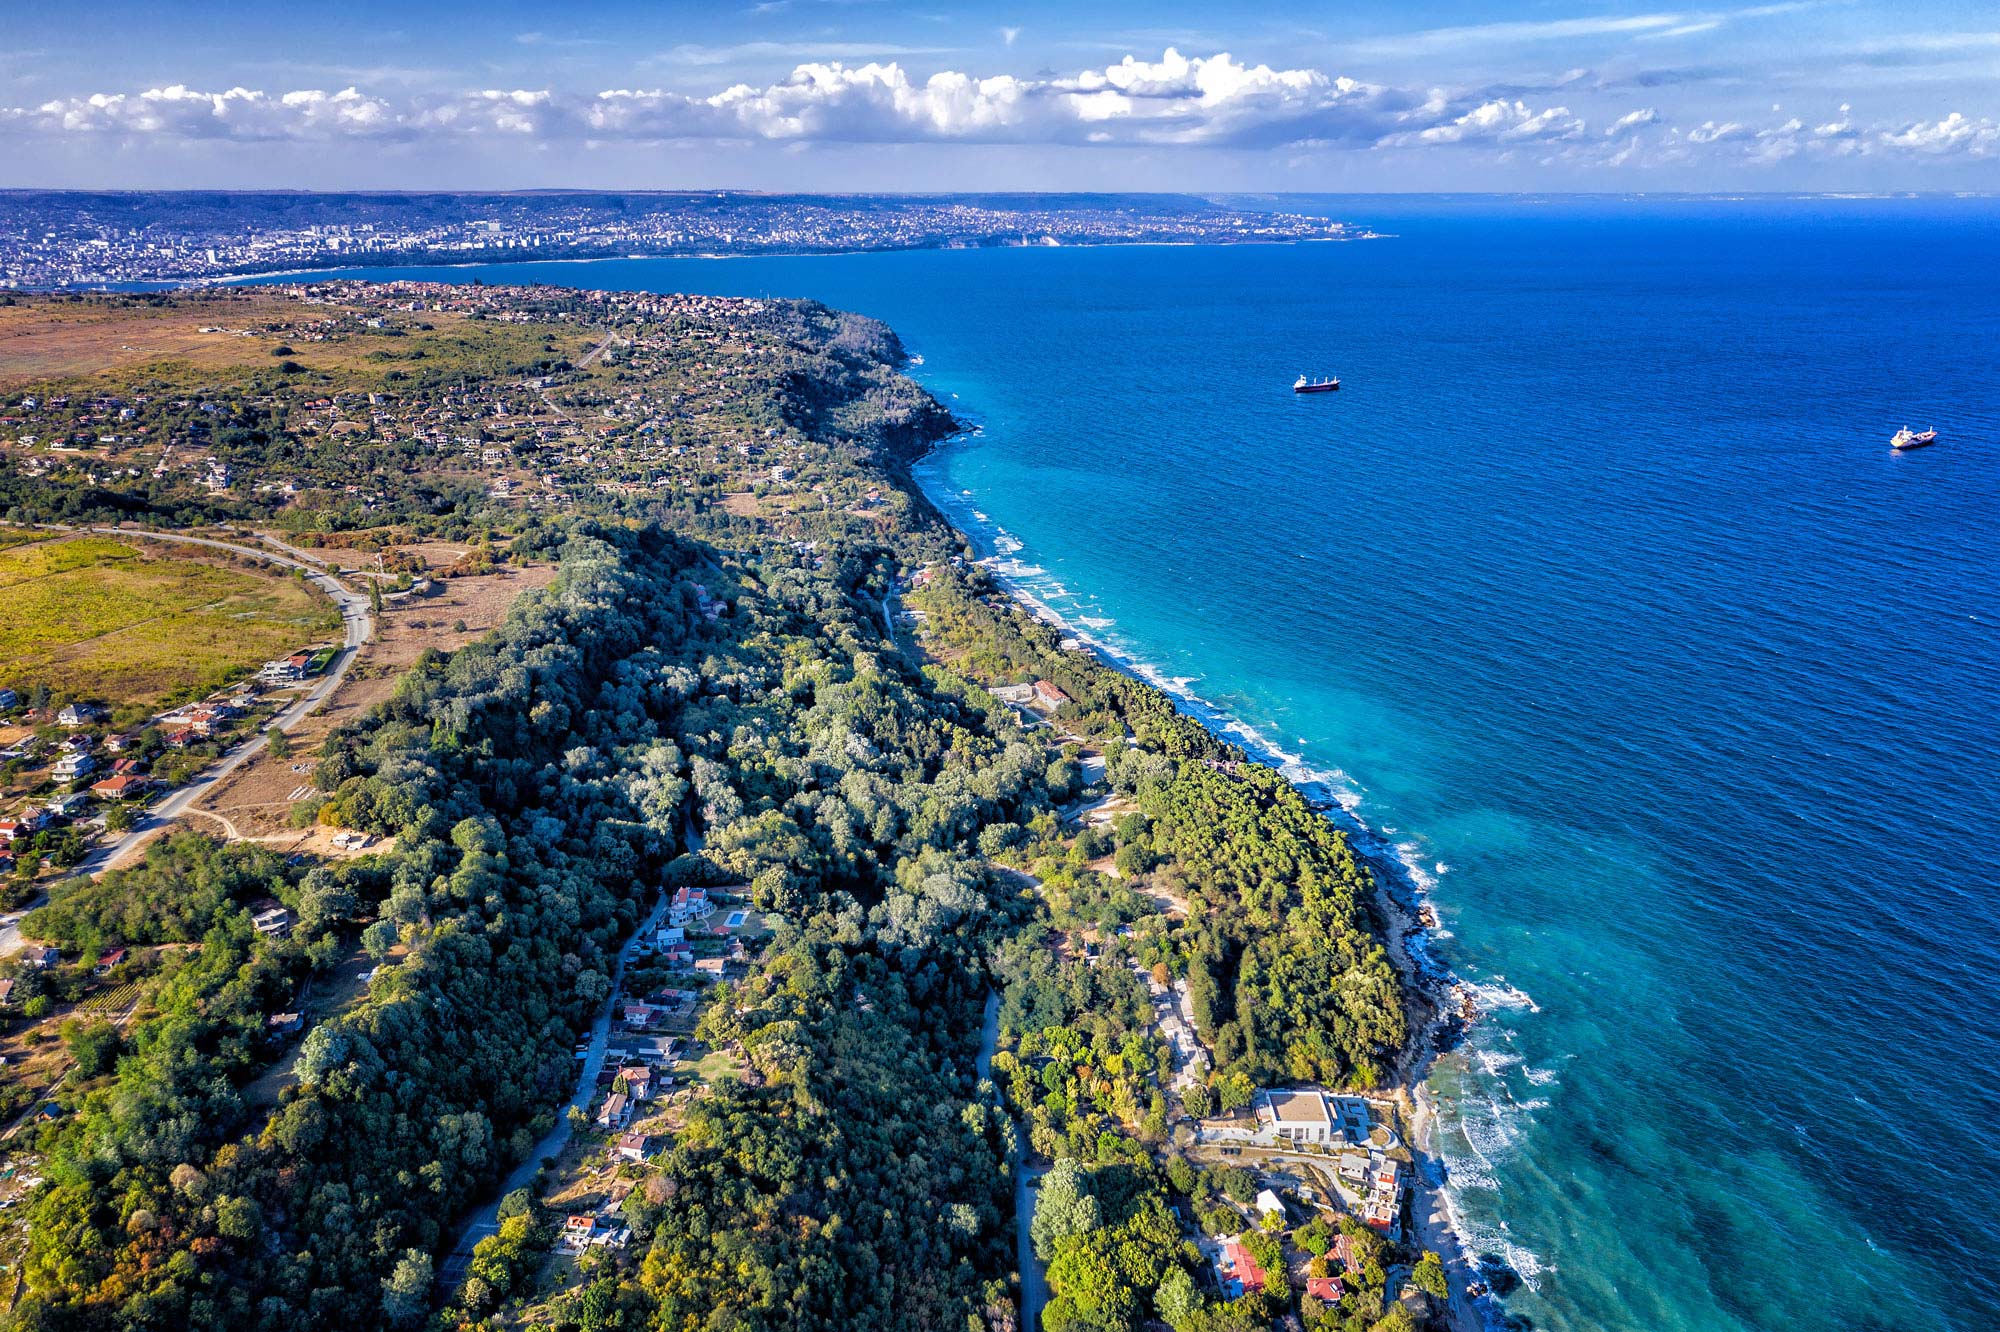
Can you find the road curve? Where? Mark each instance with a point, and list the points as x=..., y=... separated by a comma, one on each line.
x=358, y=627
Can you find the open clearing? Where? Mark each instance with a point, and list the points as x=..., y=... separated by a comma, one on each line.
x=257, y=798
x=93, y=343
x=102, y=619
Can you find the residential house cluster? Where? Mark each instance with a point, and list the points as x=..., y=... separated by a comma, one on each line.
x=1378, y=1179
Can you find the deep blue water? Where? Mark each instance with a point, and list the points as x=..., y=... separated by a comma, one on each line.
x=1599, y=593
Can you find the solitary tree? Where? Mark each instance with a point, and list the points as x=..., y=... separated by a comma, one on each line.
x=379, y=938
x=1177, y=1299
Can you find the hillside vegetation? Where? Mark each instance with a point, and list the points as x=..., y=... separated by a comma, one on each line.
x=708, y=693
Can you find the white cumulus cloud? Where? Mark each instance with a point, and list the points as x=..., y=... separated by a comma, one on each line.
x=1955, y=133
x=1496, y=121
x=1176, y=100
x=239, y=113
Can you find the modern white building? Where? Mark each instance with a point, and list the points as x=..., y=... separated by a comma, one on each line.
x=1300, y=1116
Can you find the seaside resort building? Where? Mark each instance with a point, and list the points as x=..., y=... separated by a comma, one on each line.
x=1296, y=1118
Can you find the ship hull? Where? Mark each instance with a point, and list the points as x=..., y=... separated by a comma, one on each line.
x=1316, y=388
x=1907, y=445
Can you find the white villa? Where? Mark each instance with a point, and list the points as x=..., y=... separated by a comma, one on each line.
x=1302, y=1116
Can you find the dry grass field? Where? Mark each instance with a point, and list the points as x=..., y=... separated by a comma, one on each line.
x=93, y=344
x=103, y=619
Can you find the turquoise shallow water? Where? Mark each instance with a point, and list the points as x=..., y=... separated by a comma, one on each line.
x=1598, y=594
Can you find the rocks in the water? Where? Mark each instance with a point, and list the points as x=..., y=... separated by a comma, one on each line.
x=1501, y=1279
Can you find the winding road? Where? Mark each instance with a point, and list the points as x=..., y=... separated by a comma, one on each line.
x=358, y=627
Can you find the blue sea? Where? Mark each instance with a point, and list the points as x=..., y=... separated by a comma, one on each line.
x=1597, y=594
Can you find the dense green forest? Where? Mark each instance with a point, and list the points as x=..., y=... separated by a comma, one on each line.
x=705, y=696
x=1288, y=976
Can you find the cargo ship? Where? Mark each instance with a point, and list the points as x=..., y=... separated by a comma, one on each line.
x=1907, y=438
x=1304, y=385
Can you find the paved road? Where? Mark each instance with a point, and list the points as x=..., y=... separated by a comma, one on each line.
x=585, y=361
x=1034, y=1285
x=293, y=551
x=358, y=626
x=486, y=1220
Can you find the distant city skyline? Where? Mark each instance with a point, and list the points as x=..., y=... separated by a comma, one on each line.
x=880, y=95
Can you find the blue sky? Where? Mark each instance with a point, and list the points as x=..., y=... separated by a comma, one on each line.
x=881, y=94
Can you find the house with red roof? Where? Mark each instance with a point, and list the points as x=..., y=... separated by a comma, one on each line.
x=689, y=904
x=20, y=829
x=1237, y=1272
x=1325, y=1288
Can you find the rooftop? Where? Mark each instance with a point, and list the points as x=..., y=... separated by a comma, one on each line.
x=1298, y=1107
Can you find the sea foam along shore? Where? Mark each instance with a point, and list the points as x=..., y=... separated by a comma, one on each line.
x=1443, y=1005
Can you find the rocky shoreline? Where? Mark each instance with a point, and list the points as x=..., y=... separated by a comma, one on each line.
x=1442, y=1007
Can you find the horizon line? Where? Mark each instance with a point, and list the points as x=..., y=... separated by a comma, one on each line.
x=698, y=191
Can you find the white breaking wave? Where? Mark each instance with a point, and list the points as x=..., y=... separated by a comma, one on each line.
x=1496, y=995
x=1409, y=853
x=1487, y=1117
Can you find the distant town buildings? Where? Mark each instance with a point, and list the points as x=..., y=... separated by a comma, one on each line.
x=60, y=239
